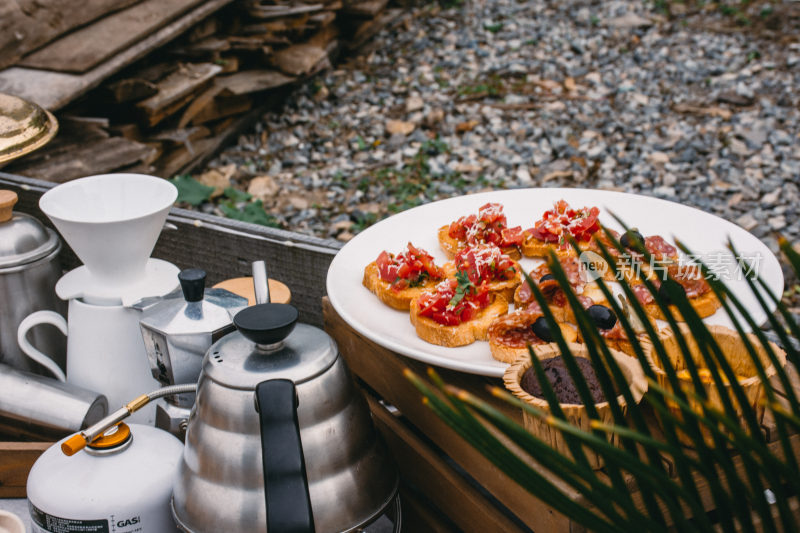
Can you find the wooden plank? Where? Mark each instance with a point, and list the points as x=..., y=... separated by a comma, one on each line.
x=368, y=9
x=176, y=89
x=223, y=107
x=86, y=160
x=369, y=28
x=250, y=81
x=198, y=104
x=208, y=49
x=131, y=90
x=267, y=11
x=54, y=90
x=323, y=18
x=177, y=159
x=183, y=135
x=25, y=25
x=324, y=37
x=419, y=515
x=383, y=371
x=16, y=460
x=89, y=46
x=442, y=486
x=299, y=59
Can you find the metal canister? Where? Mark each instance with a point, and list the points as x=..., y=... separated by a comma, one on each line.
x=121, y=482
x=29, y=270
x=34, y=406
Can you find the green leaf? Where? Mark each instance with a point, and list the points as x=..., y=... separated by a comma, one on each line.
x=464, y=286
x=191, y=191
x=253, y=213
x=236, y=195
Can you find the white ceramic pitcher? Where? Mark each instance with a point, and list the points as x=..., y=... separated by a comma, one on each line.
x=105, y=352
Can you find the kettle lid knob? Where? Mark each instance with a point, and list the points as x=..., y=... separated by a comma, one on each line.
x=193, y=283
x=266, y=324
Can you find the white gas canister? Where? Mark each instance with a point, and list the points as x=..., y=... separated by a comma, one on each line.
x=121, y=483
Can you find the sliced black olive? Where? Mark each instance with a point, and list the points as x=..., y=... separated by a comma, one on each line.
x=546, y=277
x=631, y=239
x=542, y=329
x=602, y=316
x=665, y=288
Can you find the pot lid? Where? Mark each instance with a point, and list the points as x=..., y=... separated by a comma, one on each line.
x=24, y=127
x=194, y=309
x=237, y=362
x=23, y=239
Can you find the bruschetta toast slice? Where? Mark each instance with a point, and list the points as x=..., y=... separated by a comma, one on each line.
x=396, y=279
x=455, y=312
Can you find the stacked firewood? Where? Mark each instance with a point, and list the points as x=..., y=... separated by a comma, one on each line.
x=174, y=109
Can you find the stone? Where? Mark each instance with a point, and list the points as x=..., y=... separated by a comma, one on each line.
x=523, y=175
x=658, y=158
x=628, y=21
x=263, y=188
x=747, y=221
x=414, y=103
x=399, y=127
x=777, y=223
x=771, y=198
x=738, y=147
x=298, y=202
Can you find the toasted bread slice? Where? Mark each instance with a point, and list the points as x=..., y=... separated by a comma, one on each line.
x=506, y=289
x=509, y=335
x=508, y=354
x=465, y=333
x=396, y=299
x=533, y=247
x=705, y=305
x=451, y=246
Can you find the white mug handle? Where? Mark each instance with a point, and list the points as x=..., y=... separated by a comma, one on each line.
x=33, y=319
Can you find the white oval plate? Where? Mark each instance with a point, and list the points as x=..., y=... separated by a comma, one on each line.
x=700, y=231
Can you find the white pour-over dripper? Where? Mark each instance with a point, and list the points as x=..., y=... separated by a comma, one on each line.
x=112, y=223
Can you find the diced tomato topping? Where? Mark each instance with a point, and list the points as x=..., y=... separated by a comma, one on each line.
x=488, y=226
x=408, y=269
x=485, y=263
x=556, y=223
x=438, y=303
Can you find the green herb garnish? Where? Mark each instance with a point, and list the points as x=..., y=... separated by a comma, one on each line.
x=465, y=286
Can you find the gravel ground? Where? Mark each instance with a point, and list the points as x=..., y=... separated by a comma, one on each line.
x=621, y=95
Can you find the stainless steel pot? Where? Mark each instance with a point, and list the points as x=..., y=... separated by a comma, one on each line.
x=29, y=270
x=275, y=402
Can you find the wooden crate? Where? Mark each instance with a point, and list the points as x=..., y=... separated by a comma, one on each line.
x=16, y=460
x=447, y=464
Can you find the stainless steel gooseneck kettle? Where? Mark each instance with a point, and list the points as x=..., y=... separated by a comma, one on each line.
x=279, y=439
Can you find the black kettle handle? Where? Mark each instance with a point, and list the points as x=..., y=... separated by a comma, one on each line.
x=285, y=482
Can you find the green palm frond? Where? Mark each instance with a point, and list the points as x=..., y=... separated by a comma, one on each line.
x=707, y=429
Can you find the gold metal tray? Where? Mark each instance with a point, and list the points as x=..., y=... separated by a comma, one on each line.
x=24, y=127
